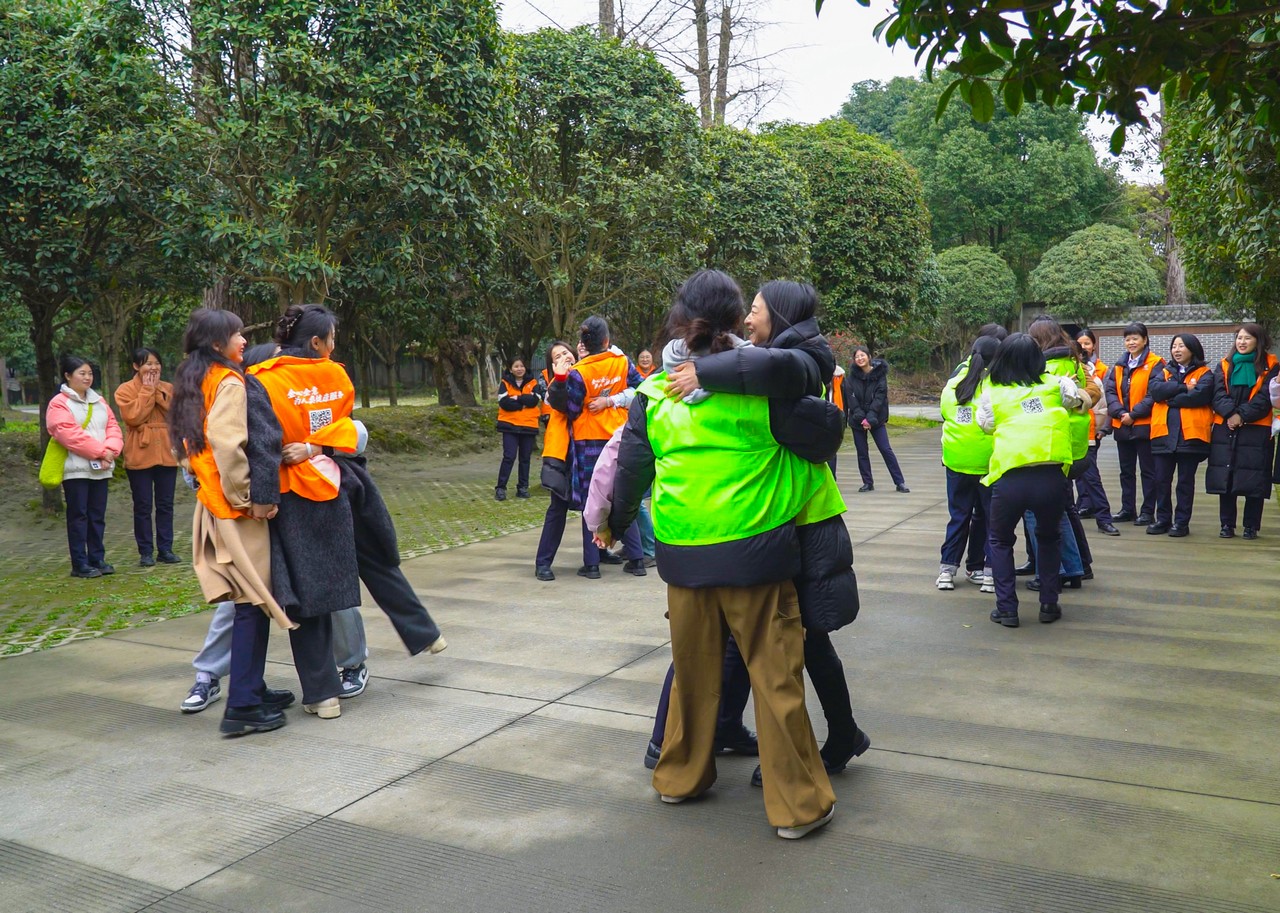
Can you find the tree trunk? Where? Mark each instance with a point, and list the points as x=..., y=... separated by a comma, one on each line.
x=703, y=71
x=484, y=374
x=1175, y=274
x=393, y=379
x=722, y=64
x=608, y=20
x=453, y=373
x=46, y=375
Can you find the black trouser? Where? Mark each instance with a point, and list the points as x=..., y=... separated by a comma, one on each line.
x=880, y=435
x=1090, y=490
x=249, y=633
x=552, y=531
x=967, y=524
x=393, y=594
x=1252, y=511
x=1186, y=465
x=1040, y=490
x=513, y=446
x=1139, y=453
x=86, y=520
x=312, y=643
x=143, y=482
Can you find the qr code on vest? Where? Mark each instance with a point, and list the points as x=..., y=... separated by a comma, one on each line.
x=1033, y=406
x=320, y=418
x=964, y=415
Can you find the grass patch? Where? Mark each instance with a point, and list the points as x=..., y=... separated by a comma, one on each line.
x=443, y=430
x=902, y=423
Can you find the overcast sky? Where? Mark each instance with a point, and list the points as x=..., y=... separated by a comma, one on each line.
x=819, y=58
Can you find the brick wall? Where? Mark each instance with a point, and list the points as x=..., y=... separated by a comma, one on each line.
x=1218, y=339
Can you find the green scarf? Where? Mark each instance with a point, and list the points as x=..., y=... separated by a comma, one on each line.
x=1244, y=372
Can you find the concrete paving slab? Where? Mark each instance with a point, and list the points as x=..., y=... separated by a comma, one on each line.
x=1120, y=760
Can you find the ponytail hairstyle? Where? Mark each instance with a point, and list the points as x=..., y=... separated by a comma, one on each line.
x=980, y=356
x=299, y=323
x=996, y=331
x=594, y=334
x=1018, y=361
x=207, y=327
x=1260, y=352
x=708, y=308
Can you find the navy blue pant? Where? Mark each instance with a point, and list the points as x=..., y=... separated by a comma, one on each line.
x=1252, y=511
x=1038, y=489
x=1186, y=465
x=153, y=487
x=248, y=655
x=880, y=435
x=735, y=688
x=630, y=545
x=1131, y=454
x=552, y=531
x=86, y=520
x=968, y=521
x=513, y=446
x=1090, y=493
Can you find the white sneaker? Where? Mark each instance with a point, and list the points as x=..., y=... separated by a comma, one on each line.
x=988, y=584
x=795, y=833
x=327, y=710
x=439, y=645
x=946, y=580
x=974, y=577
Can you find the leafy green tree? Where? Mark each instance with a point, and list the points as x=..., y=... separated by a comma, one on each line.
x=1099, y=56
x=870, y=233
x=1100, y=268
x=876, y=107
x=760, y=210
x=1224, y=183
x=606, y=200
x=978, y=288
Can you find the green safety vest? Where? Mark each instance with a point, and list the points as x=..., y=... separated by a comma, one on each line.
x=1070, y=367
x=966, y=447
x=1031, y=427
x=720, y=475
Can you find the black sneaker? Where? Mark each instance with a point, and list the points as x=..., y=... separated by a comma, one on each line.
x=590, y=571
x=354, y=680
x=544, y=573
x=635, y=566
x=86, y=572
x=201, y=695
x=168, y=558
x=244, y=720
x=105, y=568
x=146, y=561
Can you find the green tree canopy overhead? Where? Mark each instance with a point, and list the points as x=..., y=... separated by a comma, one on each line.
x=1017, y=184
x=870, y=235
x=607, y=202
x=979, y=288
x=1099, y=268
x=760, y=210
x=1099, y=56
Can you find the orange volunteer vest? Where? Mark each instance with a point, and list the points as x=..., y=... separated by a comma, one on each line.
x=313, y=399
x=1265, y=421
x=837, y=388
x=1137, y=386
x=203, y=465
x=522, y=418
x=653, y=369
x=1196, y=421
x=604, y=374
x=544, y=408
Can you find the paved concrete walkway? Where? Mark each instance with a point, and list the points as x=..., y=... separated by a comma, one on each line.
x=1124, y=759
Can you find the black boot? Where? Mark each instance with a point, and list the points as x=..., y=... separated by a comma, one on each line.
x=844, y=739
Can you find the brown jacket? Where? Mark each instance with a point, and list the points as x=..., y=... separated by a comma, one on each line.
x=145, y=411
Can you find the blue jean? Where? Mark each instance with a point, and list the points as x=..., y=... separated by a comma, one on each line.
x=880, y=435
x=644, y=522
x=968, y=522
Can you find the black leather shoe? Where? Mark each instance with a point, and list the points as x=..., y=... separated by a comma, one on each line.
x=1249, y=533
x=590, y=571
x=1049, y=613
x=168, y=558
x=544, y=573
x=1123, y=517
x=651, y=755
x=278, y=699
x=105, y=568
x=499, y=494
x=867, y=487
x=522, y=492
x=606, y=558
x=1025, y=570
x=838, y=757
x=1088, y=574
x=244, y=720
x=1008, y=619
x=1227, y=532
x=737, y=741
x=756, y=779
x=1177, y=532
x=1072, y=583
x=1158, y=529
x=1108, y=529
x=146, y=561
x=902, y=488
x=1085, y=514
x=1143, y=520
x=635, y=566
x=86, y=572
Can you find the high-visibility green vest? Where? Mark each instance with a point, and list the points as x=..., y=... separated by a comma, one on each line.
x=720, y=474
x=1031, y=427
x=966, y=447
x=1070, y=367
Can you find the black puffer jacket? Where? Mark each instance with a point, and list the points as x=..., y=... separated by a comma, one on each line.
x=1240, y=461
x=866, y=394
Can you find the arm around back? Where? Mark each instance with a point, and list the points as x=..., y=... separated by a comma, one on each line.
x=753, y=371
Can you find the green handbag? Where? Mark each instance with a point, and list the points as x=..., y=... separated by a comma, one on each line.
x=55, y=458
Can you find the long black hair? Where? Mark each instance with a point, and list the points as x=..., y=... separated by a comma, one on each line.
x=708, y=307
x=207, y=327
x=980, y=355
x=1018, y=360
x=1193, y=344
x=788, y=303
x=299, y=323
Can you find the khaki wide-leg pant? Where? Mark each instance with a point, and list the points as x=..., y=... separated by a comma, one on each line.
x=765, y=621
